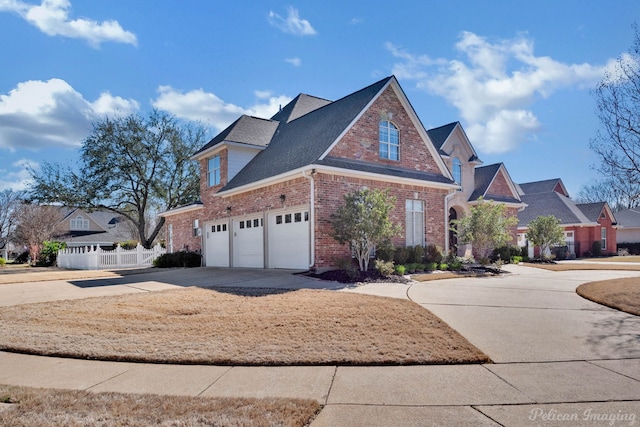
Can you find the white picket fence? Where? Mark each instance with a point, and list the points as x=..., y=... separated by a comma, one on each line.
x=96, y=258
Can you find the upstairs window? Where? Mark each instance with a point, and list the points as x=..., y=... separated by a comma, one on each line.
x=457, y=171
x=389, y=141
x=79, y=223
x=214, y=171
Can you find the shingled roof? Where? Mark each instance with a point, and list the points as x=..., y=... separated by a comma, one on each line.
x=483, y=177
x=628, y=218
x=545, y=186
x=592, y=210
x=247, y=130
x=551, y=203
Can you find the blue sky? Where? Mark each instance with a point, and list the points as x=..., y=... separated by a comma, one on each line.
x=516, y=74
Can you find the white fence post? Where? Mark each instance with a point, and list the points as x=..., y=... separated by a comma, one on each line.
x=88, y=258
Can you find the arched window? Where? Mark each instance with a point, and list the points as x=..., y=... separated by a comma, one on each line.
x=79, y=223
x=389, y=141
x=457, y=170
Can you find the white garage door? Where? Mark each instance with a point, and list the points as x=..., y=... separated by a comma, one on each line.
x=217, y=245
x=289, y=239
x=248, y=242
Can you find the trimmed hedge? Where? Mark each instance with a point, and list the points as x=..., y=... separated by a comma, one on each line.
x=178, y=259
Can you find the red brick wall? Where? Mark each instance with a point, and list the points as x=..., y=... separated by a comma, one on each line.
x=330, y=191
x=361, y=141
x=183, y=238
x=499, y=187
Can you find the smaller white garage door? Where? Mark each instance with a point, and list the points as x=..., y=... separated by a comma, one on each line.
x=217, y=244
x=248, y=242
x=289, y=239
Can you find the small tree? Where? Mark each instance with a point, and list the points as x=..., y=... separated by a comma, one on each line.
x=35, y=225
x=544, y=232
x=486, y=227
x=363, y=222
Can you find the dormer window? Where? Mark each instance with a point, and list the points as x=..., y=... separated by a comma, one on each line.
x=79, y=223
x=389, y=141
x=456, y=169
x=214, y=171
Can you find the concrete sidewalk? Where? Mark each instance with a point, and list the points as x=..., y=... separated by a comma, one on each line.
x=560, y=360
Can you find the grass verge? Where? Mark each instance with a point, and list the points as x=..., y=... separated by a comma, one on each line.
x=231, y=327
x=31, y=407
x=427, y=277
x=621, y=294
x=585, y=266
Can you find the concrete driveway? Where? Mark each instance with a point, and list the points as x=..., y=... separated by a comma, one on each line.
x=559, y=359
x=533, y=315
x=156, y=280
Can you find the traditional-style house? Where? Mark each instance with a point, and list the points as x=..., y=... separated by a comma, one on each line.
x=80, y=228
x=269, y=186
x=583, y=223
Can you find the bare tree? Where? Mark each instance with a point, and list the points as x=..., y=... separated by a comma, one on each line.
x=618, y=194
x=9, y=202
x=35, y=224
x=134, y=166
x=618, y=143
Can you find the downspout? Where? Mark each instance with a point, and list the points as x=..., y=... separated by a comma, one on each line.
x=312, y=216
x=447, y=198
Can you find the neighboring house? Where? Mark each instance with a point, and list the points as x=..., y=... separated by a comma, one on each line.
x=583, y=224
x=628, y=226
x=80, y=228
x=269, y=186
x=491, y=182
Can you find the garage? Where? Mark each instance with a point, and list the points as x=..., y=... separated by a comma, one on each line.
x=248, y=242
x=289, y=239
x=217, y=244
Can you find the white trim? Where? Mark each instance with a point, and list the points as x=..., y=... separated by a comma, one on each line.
x=180, y=210
x=355, y=120
x=510, y=183
x=579, y=225
x=466, y=140
x=332, y=170
x=211, y=151
x=412, y=116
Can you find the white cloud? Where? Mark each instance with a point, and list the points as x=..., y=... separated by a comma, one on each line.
x=206, y=107
x=52, y=18
x=494, y=85
x=296, y=62
x=39, y=114
x=18, y=179
x=292, y=24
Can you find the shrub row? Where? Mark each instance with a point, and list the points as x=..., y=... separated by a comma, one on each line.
x=178, y=259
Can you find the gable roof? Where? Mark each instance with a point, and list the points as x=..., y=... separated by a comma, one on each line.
x=551, y=203
x=246, y=130
x=305, y=140
x=440, y=135
x=592, y=210
x=484, y=177
x=545, y=186
x=298, y=107
x=628, y=218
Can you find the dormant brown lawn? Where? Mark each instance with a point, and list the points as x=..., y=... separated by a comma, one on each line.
x=622, y=294
x=32, y=407
x=194, y=325
x=585, y=266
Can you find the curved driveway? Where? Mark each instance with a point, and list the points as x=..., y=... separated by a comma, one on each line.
x=558, y=359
